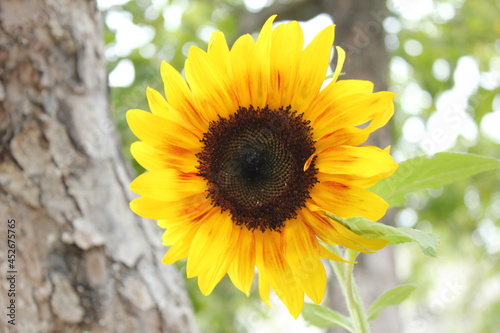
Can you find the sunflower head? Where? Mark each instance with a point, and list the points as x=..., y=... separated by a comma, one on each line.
x=247, y=154
x=253, y=164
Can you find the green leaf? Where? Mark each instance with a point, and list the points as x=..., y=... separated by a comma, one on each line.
x=320, y=316
x=422, y=172
x=392, y=297
x=369, y=229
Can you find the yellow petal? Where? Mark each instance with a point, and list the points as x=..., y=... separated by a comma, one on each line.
x=176, y=252
x=242, y=268
x=152, y=209
x=361, y=182
x=259, y=66
x=366, y=161
x=180, y=249
x=180, y=238
x=335, y=91
x=351, y=110
x=307, y=164
x=264, y=288
x=167, y=185
x=271, y=260
x=251, y=78
x=219, y=52
x=158, y=131
x=353, y=87
x=188, y=209
x=354, y=136
x=284, y=65
x=313, y=66
x=324, y=229
x=169, y=156
x=211, y=89
x=243, y=48
x=211, y=254
x=349, y=136
x=177, y=230
x=159, y=106
x=302, y=254
x=179, y=96
x=348, y=201
x=340, y=63
x=191, y=209
x=380, y=119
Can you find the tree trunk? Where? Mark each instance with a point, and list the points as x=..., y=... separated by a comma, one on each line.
x=83, y=261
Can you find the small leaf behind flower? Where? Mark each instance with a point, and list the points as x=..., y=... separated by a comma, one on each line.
x=420, y=173
x=369, y=229
x=320, y=316
x=394, y=296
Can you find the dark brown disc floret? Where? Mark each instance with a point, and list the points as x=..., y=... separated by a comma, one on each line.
x=253, y=162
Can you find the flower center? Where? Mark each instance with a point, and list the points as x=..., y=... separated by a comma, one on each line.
x=253, y=163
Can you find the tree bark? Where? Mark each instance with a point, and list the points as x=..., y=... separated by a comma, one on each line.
x=83, y=260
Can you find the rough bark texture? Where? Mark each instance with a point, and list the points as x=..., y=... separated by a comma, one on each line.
x=84, y=262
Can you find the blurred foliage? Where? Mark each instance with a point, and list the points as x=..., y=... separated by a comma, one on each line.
x=459, y=291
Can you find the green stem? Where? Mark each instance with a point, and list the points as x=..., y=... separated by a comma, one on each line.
x=344, y=273
x=354, y=303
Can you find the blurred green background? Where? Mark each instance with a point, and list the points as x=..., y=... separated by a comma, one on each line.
x=444, y=66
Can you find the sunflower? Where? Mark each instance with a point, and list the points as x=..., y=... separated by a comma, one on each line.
x=247, y=154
